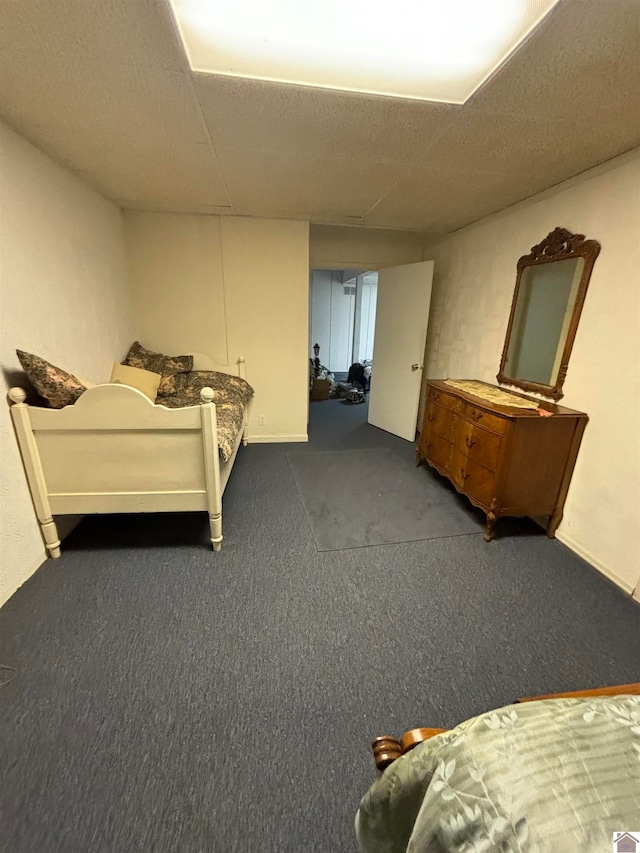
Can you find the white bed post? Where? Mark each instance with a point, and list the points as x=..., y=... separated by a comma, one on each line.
x=211, y=455
x=35, y=474
x=242, y=373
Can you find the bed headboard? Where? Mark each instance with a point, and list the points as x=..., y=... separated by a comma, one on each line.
x=201, y=361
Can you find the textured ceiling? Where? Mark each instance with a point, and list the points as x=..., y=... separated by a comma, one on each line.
x=104, y=87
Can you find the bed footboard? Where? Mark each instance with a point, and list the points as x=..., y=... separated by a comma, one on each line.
x=116, y=451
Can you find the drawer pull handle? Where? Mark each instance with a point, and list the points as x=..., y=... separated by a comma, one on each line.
x=430, y=417
x=470, y=441
x=476, y=415
x=436, y=395
x=463, y=475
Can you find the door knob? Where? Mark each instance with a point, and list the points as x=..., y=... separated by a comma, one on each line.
x=416, y=366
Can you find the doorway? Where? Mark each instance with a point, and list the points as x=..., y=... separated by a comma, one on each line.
x=342, y=314
x=378, y=323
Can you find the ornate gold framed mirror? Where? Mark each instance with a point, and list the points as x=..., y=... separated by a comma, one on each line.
x=551, y=285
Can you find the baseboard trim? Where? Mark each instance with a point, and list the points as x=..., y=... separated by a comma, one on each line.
x=581, y=552
x=276, y=439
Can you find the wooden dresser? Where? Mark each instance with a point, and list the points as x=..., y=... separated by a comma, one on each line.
x=506, y=460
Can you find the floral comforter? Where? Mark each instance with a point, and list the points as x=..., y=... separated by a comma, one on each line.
x=232, y=395
x=554, y=775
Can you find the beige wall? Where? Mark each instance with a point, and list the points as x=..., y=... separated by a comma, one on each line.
x=266, y=270
x=473, y=287
x=63, y=295
x=175, y=266
x=346, y=247
x=229, y=286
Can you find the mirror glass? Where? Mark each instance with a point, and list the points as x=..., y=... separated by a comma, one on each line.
x=541, y=319
x=551, y=286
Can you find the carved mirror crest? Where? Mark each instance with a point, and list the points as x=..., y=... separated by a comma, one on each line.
x=551, y=285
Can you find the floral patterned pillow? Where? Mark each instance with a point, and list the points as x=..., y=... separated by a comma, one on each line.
x=58, y=387
x=167, y=365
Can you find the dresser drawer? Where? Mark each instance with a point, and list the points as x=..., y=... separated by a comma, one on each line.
x=477, y=482
x=439, y=421
x=483, y=418
x=438, y=451
x=478, y=444
x=447, y=400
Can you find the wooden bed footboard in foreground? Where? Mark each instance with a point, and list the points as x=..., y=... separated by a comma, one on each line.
x=116, y=451
x=386, y=749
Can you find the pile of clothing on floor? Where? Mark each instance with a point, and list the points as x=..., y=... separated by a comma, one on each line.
x=355, y=395
x=358, y=382
x=353, y=390
x=322, y=373
x=360, y=374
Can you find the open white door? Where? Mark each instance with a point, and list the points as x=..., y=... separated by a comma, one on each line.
x=402, y=316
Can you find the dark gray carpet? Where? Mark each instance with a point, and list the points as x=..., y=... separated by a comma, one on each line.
x=356, y=498
x=172, y=699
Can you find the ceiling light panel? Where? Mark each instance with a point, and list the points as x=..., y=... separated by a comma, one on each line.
x=431, y=50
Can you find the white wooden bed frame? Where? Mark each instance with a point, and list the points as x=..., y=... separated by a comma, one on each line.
x=115, y=451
